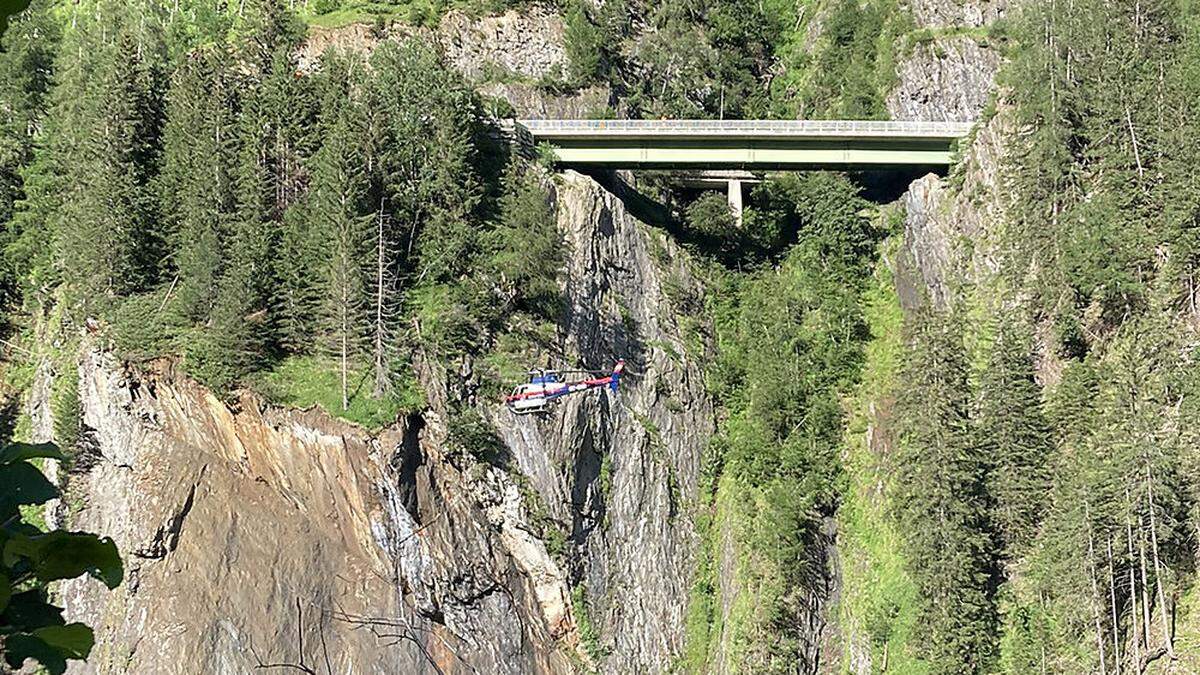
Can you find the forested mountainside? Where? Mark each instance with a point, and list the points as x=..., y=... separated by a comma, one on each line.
x=268, y=268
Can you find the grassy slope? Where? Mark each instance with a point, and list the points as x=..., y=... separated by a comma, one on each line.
x=416, y=12
x=879, y=601
x=302, y=382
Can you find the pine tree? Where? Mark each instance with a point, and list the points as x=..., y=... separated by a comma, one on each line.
x=342, y=215
x=526, y=248
x=1014, y=438
x=941, y=502
x=430, y=120
x=107, y=114
x=26, y=67
x=238, y=333
x=426, y=121
x=304, y=244
x=273, y=143
x=196, y=188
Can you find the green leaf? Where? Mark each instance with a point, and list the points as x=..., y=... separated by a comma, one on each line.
x=66, y=555
x=74, y=640
x=24, y=484
x=29, y=610
x=16, y=452
x=21, y=646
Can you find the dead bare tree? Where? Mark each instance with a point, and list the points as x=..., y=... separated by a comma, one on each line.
x=398, y=630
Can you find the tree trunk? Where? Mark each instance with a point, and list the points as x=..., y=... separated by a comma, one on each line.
x=1112, y=599
x=1133, y=614
x=1162, y=598
x=1095, y=590
x=1145, y=582
x=380, y=262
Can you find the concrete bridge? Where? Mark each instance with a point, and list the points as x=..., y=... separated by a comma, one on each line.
x=747, y=144
x=737, y=147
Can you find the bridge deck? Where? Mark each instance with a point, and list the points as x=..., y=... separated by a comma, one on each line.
x=746, y=129
x=747, y=143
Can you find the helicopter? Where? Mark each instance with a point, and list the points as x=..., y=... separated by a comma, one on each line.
x=546, y=386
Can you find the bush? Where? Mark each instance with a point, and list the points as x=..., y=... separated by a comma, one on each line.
x=320, y=7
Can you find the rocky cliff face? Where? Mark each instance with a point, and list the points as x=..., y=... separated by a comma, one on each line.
x=949, y=73
x=510, y=56
x=254, y=535
x=947, y=79
x=951, y=13
x=946, y=228
x=257, y=536
x=622, y=471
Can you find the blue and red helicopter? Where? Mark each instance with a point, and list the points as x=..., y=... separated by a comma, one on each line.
x=546, y=386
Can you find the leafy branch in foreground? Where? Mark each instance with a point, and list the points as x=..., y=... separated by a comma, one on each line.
x=30, y=626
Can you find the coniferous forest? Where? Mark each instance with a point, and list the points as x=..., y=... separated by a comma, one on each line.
x=1011, y=470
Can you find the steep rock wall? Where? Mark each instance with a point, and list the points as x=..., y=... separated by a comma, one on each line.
x=623, y=470
x=946, y=226
x=949, y=74
x=507, y=56
x=948, y=79
x=254, y=535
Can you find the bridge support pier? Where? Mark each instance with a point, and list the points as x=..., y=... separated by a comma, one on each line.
x=735, y=201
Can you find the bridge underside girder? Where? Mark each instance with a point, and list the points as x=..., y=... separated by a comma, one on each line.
x=757, y=155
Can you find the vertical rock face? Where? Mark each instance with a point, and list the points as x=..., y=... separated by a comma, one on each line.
x=949, y=75
x=507, y=56
x=621, y=471
x=950, y=13
x=946, y=80
x=528, y=43
x=946, y=230
x=244, y=531
x=254, y=535
x=258, y=536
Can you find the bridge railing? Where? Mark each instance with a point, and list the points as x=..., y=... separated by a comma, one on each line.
x=764, y=127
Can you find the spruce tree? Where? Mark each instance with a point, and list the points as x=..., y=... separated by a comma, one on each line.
x=426, y=120
x=196, y=188
x=26, y=67
x=427, y=158
x=301, y=266
x=1014, y=439
x=941, y=502
x=107, y=113
x=342, y=217
x=273, y=142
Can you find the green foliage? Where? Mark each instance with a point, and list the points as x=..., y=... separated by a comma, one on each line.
x=851, y=67
x=199, y=140
x=31, y=627
x=320, y=7
x=879, y=597
x=65, y=408
x=588, y=634
x=704, y=60
x=105, y=118
x=1014, y=437
x=940, y=500
x=789, y=345
x=26, y=67
x=1042, y=478
x=583, y=41
x=10, y=8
